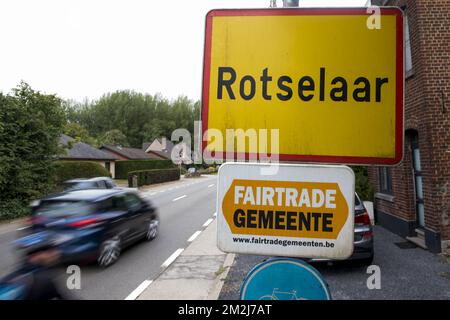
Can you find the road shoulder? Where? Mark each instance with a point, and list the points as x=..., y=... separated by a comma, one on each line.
x=198, y=273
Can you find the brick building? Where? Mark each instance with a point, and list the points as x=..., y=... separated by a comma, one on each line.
x=413, y=199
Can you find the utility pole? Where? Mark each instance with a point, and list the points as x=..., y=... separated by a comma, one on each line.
x=286, y=3
x=290, y=3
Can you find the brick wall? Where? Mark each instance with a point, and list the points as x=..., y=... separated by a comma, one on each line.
x=427, y=110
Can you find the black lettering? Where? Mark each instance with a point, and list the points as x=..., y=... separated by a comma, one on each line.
x=279, y=220
x=265, y=219
x=252, y=87
x=316, y=217
x=305, y=87
x=290, y=220
x=265, y=78
x=380, y=82
x=364, y=90
x=251, y=219
x=339, y=93
x=322, y=84
x=326, y=222
x=285, y=88
x=304, y=222
x=226, y=83
x=239, y=218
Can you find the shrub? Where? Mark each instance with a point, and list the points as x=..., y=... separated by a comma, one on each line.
x=362, y=184
x=195, y=174
x=14, y=208
x=146, y=177
x=124, y=167
x=30, y=125
x=209, y=170
x=66, y=170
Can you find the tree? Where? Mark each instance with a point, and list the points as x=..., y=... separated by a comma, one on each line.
x=114, y=137
x=140, y=117
x=79, y=133
x=31, y=124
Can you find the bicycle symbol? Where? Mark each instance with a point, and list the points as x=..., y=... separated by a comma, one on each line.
x=281, y=295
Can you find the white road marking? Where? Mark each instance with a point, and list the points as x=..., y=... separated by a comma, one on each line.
x=137, y=292
x=211, y=185
x=183, y=196
x=194, y=236
x=172, y=258
x=215, y=214
x=207, y=222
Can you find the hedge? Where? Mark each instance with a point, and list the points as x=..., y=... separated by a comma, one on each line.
x=13, y=208
x=124, y=167
x=146, y=177
x=66, y=170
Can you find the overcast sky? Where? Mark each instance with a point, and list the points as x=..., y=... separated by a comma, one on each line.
x=84, y=48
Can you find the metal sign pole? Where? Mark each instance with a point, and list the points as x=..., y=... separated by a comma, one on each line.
x=290, y=3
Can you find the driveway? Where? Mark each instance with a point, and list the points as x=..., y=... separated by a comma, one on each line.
x=409, y=273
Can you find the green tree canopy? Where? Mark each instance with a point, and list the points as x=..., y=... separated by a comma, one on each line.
x=79, y=133
x=140, y=117
x=114, y=137
x=31, y=123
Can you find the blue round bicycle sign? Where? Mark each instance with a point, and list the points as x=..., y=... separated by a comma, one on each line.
x=284, y=279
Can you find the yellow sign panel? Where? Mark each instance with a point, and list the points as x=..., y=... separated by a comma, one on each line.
x=285, y=208
x=330, y=85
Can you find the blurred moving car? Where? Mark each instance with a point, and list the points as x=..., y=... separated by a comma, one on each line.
x=363, y=251
x=35, y=276
x=95, y=224
x=92, y=183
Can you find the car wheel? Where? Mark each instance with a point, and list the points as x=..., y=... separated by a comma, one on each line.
x=152, y=230
x=109, y=252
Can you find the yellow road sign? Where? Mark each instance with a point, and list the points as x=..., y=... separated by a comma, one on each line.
x=330, y=85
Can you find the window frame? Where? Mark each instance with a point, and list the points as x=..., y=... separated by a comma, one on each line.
x=385, y=180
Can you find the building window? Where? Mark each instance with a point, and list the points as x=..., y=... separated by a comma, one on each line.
x=385, y=180
x=408, y=58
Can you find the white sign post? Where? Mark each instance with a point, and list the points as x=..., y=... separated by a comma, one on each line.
x=302, y=211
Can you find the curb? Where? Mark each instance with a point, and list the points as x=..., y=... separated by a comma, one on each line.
x=214, y=294
x=169, y=275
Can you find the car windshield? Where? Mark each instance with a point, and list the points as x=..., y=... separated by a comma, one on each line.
x=70, y=186
x=52, y=209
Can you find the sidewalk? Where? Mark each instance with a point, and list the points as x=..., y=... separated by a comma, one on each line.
x=197, y=274
x=12, y=225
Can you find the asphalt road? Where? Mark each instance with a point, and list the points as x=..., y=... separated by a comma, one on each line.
x=405, y=273
x=184, y=207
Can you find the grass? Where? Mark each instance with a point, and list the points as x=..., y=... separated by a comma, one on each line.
x=220, y=271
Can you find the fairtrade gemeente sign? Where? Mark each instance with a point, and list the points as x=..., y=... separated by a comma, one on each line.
x=301, y=211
